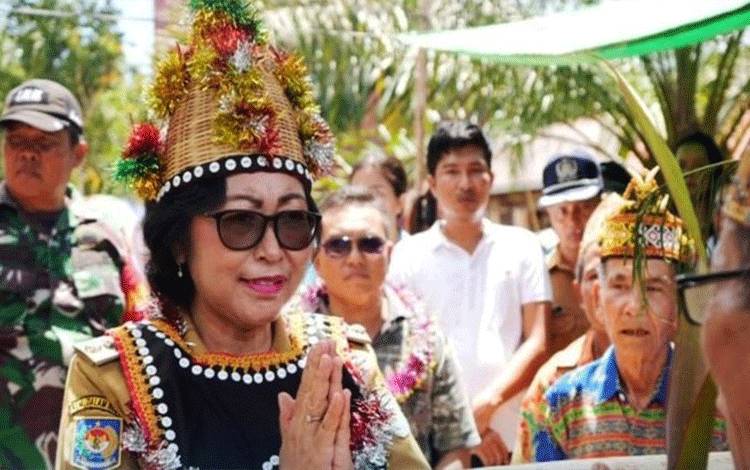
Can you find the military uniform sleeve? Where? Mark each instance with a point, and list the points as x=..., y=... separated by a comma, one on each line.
x=453, y=424
x=94, y=412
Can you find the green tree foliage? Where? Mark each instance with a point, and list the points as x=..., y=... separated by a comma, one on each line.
x=366, y=78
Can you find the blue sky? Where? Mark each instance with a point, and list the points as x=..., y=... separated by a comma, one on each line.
x=138, y=42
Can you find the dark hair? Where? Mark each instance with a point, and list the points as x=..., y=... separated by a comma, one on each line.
x=390, y=167
x=166, y=227
x=713, y=152
x=452, y=135
x=616, y=178
x=424, y=213
x=360, y=196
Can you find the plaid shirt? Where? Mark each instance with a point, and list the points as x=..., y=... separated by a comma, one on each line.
x=437, y=406
x=588, y=415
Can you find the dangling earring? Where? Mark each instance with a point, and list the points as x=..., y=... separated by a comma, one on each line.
x=179, y=270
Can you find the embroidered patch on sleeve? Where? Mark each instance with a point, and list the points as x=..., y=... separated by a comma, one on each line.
x=91, y=402
x=96, y=444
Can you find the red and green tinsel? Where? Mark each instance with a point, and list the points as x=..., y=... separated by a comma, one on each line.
x=139, y=166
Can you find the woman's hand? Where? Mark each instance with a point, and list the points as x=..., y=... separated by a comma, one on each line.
x=315, y=425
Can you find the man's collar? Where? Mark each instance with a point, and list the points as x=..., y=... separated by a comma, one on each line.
x=71, y=195
x=399, y=307
x=606, y=378
x=439, y=239
x=5, y=197
x=554, y=260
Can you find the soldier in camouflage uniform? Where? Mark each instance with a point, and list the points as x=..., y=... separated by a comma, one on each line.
x=64, y=276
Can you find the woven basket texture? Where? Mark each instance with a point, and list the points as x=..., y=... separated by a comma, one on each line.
x=190, y=137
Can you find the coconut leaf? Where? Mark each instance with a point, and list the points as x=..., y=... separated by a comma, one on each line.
x=690, y=403
x=670, y=169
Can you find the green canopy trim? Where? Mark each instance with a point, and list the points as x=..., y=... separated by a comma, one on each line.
x=610, y=30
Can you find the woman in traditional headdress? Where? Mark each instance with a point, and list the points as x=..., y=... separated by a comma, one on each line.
x=219, y=377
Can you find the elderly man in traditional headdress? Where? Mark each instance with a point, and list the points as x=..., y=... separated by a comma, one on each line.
x=616, y=405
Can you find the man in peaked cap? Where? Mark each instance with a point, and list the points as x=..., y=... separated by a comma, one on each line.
x=572, y=188
x=64, y=275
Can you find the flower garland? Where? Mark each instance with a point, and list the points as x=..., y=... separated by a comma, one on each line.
x=418, y=356
x=227, y=43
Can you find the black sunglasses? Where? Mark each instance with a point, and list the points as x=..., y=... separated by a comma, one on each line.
x=697, y=289
x=339, y=247
x=242, y=229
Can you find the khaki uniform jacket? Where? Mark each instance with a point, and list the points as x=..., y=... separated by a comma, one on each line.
x=568, y=318
x=97, y=388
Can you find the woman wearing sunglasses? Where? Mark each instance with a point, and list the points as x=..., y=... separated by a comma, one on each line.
x=419, y=368
x=219, y=377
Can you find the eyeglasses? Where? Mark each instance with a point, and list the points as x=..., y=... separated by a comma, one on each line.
x=242, y=229
x=340, y=247
x=697, y=289
x=38, y=146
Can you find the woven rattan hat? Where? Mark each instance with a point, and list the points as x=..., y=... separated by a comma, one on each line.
x=225, y=103
x=644, y=227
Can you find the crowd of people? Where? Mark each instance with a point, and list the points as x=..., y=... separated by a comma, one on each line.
x=268, y=331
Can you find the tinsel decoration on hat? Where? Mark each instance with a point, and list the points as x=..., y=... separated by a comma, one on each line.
x=226, y=102
x=644, y=227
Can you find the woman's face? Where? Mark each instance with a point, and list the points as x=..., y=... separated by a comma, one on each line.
x=372, y=178
x=247, y=288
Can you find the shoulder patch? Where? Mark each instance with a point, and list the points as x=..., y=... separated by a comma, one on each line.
x=357, y=333
x=91, y=402
x=96, y=443
x=99, y=350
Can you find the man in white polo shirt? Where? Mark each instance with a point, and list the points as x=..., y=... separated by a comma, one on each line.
x=487, y=284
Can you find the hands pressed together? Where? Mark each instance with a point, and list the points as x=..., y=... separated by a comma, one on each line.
x=315, y=425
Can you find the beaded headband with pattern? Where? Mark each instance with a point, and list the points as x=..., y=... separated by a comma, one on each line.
x=644, y=227
x=228, y=102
